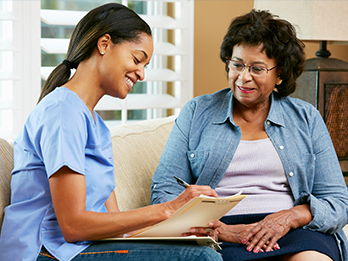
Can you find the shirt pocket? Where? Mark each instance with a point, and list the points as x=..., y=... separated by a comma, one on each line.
x=99, y=155
x=108, y=153
x=197, y=159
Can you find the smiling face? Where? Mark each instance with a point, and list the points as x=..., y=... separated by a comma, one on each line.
x=123, y=65
x=252, y=91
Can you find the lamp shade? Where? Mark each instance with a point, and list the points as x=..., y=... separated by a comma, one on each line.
x=313, y=19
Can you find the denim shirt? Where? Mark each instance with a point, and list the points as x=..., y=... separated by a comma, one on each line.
x=204, y=139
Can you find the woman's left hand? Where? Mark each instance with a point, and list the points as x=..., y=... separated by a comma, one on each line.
x=275, y=226
x=228, y=233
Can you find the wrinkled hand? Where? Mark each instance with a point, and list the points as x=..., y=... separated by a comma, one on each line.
x=231, y=233
x=275, y=226
x=268, y=231
x=227, y=233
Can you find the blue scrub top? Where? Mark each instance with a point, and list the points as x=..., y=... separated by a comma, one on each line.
x=59, y=132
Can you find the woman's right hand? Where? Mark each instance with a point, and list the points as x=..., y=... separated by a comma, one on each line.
x=189, y=193
x=235, y=233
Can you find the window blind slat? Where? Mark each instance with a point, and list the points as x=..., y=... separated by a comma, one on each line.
x=6, y=46
x=163, y=48
x=139, y=102
x=4, y=16
x=163, y=22
x=162, y=75
x=7, y=105
x=54, y=45
x=152, y=101
x=60, y=46
x=54, y=17
x=5, y=75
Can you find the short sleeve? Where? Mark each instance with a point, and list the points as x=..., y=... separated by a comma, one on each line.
x=62, y=137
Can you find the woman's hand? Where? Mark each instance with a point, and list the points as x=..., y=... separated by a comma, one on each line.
x=222, y=232
x=275, y=226
x=189, y=193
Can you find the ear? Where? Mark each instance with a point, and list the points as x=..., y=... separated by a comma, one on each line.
x=104, y=43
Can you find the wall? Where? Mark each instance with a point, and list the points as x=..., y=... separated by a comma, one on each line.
x=212, y=18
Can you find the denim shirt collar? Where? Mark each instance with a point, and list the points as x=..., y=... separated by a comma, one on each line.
x=275, y=114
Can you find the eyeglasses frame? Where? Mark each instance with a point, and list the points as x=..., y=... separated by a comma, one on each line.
x=245, y=66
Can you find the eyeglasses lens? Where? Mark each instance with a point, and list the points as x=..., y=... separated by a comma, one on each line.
x=240, y=67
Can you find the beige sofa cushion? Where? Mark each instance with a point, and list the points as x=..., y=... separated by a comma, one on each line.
x=137, y=149
x=6, y=166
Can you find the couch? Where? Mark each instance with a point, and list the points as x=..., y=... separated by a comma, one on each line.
x=137, y=148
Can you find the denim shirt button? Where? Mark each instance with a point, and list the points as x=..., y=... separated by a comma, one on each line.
x=268, y=122
x=281, y=147
x=291, y=174
x=192, y=155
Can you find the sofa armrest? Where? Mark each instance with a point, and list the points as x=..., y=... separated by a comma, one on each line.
x=6, y=166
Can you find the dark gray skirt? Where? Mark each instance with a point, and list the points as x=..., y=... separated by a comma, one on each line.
x=295, y=241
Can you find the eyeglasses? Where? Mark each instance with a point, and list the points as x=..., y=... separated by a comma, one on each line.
x=254, y=70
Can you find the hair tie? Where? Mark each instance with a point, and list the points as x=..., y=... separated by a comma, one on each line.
x=70, y=65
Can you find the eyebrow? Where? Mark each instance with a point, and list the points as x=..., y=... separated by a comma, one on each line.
x=145, y=54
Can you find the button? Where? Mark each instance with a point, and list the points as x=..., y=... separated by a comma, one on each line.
x=192, y=155
x=268, y=122
x=281, y=147
x=155, y=186
x=291, y=174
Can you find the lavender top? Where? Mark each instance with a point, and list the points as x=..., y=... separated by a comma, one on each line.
x=257, y=170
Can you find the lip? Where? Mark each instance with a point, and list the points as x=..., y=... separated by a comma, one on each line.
x=244, y=89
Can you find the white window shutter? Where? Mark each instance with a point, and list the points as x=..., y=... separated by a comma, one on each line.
x=21, y=72
x=156, y=99
x=20, y=63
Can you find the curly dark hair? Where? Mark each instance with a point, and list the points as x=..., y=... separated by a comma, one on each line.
x=279, y=41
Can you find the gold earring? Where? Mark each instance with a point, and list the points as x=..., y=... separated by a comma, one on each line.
x=279, y=81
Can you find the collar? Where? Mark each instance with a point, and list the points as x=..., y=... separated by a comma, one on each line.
x=275, y=114
x=226, y=109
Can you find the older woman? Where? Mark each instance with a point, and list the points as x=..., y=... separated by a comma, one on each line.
x=276, y=149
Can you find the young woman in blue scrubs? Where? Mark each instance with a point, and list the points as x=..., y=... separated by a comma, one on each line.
x=63, y=179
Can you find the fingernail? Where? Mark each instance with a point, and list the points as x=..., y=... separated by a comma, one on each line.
x=249, y=248
x=243, y=241
x=256, y=250
x=193, y=230
x=276, y=246
x=261, y=250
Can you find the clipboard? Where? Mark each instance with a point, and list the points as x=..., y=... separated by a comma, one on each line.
x=198, y=212
x=202, y=241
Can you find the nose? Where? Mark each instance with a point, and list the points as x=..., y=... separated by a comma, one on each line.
x=141, y=73
x=245, y=75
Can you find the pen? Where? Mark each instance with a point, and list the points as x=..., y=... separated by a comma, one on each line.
x=181, y=182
